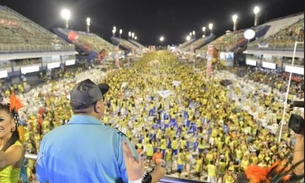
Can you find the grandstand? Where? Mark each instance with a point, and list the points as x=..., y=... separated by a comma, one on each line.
x=27, y=47
x=87, y=42
x=199, y=42
x=185, y=43
x=282, y=35
x=124, y=44
x=19, y=34
x=137, y=44
x=276, y=46
x=232, y=41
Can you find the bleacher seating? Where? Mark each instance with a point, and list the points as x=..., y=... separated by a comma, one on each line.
x=228, y=41
x=19, y=34
x=88, y=41
x=124, y=43
x=137, y=44
x=284, y=38
x=186, y=43
x=200, y=42
x=232, y=41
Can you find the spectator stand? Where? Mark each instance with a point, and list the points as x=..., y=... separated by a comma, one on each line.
x=27, y=48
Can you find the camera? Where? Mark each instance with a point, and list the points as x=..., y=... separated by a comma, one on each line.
x=296, y=122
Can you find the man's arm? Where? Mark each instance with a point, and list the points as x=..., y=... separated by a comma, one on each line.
x=298, y=154
x=40, y=167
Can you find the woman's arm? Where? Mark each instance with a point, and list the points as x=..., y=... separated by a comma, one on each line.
x=11, y=156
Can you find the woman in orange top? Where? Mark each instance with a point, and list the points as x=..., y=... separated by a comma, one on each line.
x=157, y=157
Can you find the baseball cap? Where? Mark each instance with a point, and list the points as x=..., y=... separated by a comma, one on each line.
x=86, y=93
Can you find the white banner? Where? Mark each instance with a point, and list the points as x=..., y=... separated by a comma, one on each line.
x=164, y=93
x=176, y=83
x=3, y=74
x=251, y=62
x=70, y=62
x=293, y=69
x=30, y=69
x=269, y=65
x=53, y=65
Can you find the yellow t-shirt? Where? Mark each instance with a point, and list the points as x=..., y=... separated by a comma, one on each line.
x=174, y=144
x=163, y=144
x=181, y=159
x=149, y=150
x=211, y=170
x=198, y=167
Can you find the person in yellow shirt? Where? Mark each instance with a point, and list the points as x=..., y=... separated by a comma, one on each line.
x=211, y=168
x=174, y=145
x=221, y=168
x=228, y=177
x=181, y=162
x=149, y=152
x=199, y=166
x=169, y=160
x=163, y=146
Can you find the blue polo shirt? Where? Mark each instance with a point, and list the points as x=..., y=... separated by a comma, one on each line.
x=82, y=151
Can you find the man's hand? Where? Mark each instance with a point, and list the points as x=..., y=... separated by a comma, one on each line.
x=134, y=167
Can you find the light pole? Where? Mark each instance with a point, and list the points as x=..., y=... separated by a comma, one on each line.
x=88, y=24
x=203, y=29
x=121, y=31
x=256, y=11
x=161, y=40
x=211, y=28
x=135, y=38
x=194, y=34
x=66, y=15
x=234, y=19
x=132, y=35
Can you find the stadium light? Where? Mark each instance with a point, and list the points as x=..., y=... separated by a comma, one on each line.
x=113, y=32
x=188, y=38
x=234, y=19
x=114, y=28
x=161, y=40
x=203, y=29
x=88, y=24
x=211, y=28
x=132, y=35
x=194, y=33
x=121, y=31
x=256, y=11
x=191, y=34
x=129, y=35
x=66, y=15
x=135, y=38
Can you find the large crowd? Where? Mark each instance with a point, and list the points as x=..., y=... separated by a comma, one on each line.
x=170, y=110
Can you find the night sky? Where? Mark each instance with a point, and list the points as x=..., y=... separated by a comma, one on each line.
x=150, y=19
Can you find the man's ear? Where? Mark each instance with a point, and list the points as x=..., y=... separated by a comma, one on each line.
x=96, y=108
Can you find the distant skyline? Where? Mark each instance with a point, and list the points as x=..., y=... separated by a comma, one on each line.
x=150, y=19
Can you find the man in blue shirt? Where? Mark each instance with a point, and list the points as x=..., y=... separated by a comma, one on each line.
x=85, y=150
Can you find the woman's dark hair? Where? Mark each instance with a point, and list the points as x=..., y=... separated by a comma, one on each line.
x=15, y=136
